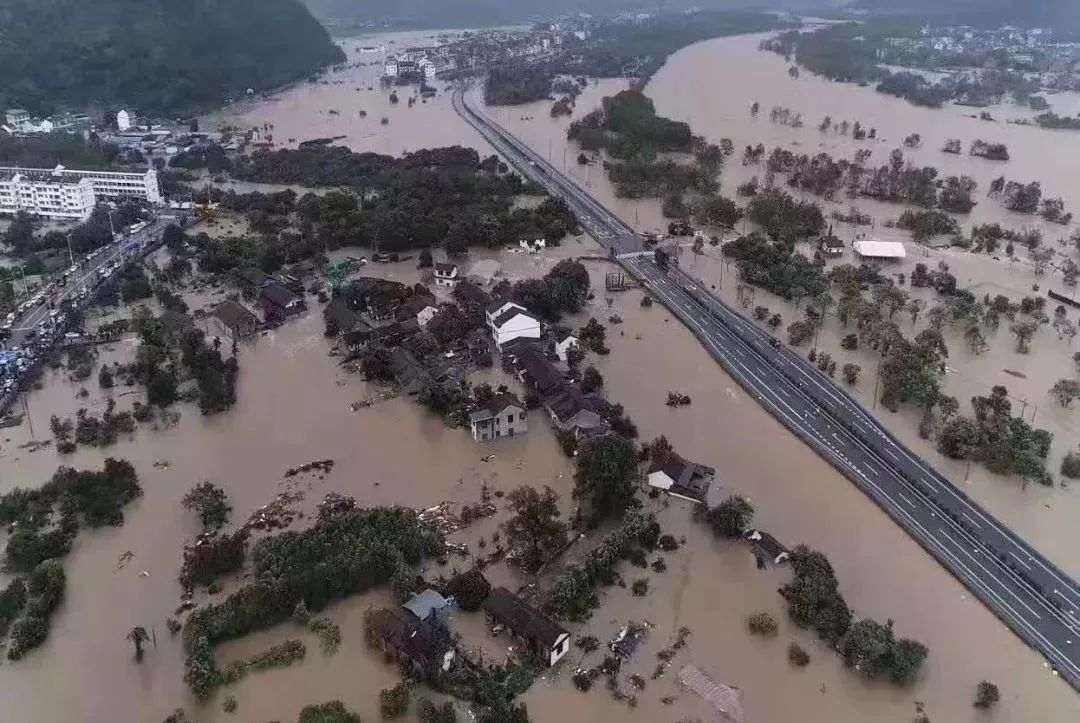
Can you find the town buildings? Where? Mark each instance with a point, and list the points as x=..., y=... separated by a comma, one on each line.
x=501, y=416
x=65, y=193
x=235, y=319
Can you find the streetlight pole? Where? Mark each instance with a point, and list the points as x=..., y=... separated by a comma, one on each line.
x=71, y=255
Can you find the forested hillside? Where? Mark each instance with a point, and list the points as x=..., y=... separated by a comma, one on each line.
x=345, y=14
x=155, y=55
x=1058, y=14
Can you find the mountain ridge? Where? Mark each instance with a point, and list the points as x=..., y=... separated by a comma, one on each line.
x=159, y=56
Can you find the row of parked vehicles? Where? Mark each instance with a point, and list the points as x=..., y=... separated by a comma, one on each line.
x=19, y=360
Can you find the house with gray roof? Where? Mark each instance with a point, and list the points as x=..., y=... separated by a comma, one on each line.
x=501, y=416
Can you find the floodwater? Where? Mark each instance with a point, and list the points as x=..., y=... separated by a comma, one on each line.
x=294, y=407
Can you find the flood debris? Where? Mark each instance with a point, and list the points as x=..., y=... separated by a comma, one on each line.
x=124, y=559
x=324, y=466
x=275, y=515
x=625, y=642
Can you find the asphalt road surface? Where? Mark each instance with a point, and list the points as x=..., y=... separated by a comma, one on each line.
x=87, y=275
x=1038, y=601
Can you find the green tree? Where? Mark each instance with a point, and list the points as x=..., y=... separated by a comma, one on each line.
x=534, y=531
x=161, y=389
x=211, y=504
x=1023, y=331
x=606, y=477
x=591, y=380
x=333, y=711
x=429, y=712
x=1065, y=391
x=394, y=702
x=732, y=517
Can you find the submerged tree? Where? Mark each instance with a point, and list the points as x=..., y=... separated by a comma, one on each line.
x=535, y=531
x=138, y=635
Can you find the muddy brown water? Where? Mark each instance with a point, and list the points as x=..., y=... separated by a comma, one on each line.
x=294, y=407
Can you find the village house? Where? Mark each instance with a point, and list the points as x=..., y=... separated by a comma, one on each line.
x=446, y=275
x=379, y=299
x=339, y=317
x=251, y=278
x=572, y=411
x=418, y=307
x=501, y=416
x=563, y=343
x=831, y=246
x=423, y=647
x=544, y=639
x=512, y=324
x=681, y=478
x=279, y=303
x=235, y=319
x=536, y=372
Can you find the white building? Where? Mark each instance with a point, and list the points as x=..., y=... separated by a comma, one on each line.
x=446, y=275
x=563, y=345
x=123, y=121
x=43, y=194
x=502, y=416
x=391, y=67
x=514, y=323
x=879, y=249
x=52, y=193
x=16, y=117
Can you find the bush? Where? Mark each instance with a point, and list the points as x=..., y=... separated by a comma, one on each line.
x=667, y=543
x=469, y=590
x=26, y=634
x=986, y=695
x=394, y=702
x=731, y=518
x=640, y=587
x=330, y=712
x=429, y=712
x=797, y=655
x=850, y=342
x=1070, y=466
x=762, y=624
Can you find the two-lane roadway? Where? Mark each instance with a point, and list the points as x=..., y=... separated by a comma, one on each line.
x=1032, y=596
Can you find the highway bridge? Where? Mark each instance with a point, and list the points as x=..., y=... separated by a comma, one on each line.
x=1036, y=599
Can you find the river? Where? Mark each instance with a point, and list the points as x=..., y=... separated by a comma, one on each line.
x=294, y=407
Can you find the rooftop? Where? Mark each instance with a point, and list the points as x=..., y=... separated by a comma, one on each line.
x=522, y=618
x=233, y=314
x=880, y=249
x=494, y=406
x=426, y=603
x=509, y=314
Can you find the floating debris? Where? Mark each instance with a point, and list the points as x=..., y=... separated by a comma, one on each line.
x=629, y=637
x=124, y=559
x=276, y=515
x=324, y=466
x=161, y=464
x=335, y=504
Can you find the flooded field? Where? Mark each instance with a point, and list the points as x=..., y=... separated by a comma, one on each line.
x=294, y=407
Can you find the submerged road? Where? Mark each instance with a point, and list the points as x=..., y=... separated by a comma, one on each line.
x=1036, y=599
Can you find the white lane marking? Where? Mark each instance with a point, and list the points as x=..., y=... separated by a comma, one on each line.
x=1018, y=559
x=972, y=520
x=904, y=497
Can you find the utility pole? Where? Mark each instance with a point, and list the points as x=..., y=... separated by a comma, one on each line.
x=71, y=255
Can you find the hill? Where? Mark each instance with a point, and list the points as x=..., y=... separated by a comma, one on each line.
x=159, y=56
x=1027, y=13
x=343, y=15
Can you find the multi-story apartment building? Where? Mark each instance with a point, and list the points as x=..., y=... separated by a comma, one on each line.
x=64, y=193
x=58, y=197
